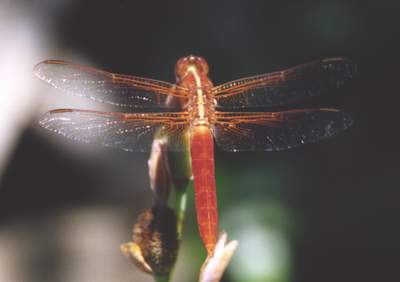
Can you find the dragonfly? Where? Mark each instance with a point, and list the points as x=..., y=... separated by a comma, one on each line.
x=239, y=115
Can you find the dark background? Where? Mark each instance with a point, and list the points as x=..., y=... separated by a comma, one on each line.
x=343, y=193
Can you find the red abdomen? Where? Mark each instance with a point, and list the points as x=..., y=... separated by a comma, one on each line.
x=202, y=152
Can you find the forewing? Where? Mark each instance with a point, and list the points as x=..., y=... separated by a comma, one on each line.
x=129, y=132
x=277, y=131
x=285, y=87
x=119, y=90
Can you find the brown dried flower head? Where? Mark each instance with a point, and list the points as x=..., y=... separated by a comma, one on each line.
x=155, y=241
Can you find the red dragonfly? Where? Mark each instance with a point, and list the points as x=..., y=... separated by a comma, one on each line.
x=205, y=112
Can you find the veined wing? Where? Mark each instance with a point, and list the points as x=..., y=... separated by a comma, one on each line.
x=126, y=131
x=276, y=131
x=285, y=87
x=119, y=90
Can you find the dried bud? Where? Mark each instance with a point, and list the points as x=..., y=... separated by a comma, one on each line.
x=158, y=170
x=155, y=241
x=133, y=252
x=214, y=267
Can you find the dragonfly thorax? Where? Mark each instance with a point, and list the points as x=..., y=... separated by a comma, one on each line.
x=191, y=73
x=201, y=108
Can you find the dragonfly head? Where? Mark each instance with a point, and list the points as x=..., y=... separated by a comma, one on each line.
x=189, y=64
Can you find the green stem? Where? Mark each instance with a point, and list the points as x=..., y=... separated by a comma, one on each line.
x=180, y=209
x=181, y=172
x=166, y=278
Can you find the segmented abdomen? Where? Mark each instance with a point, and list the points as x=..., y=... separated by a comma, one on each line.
x=202, y=152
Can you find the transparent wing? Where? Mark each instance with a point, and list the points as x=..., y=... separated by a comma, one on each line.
x=129, y=132
x=285, y=87
x=276, y=131
x=118, y=90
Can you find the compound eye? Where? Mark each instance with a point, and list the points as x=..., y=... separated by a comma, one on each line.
x=181, y=66
x=203, y=64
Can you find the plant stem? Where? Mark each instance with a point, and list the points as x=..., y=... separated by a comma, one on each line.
x=180, y=209
x=165, y=278
x=181, y=172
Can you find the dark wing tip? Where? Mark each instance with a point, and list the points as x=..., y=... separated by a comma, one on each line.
x=46, y=119
x=335, y=59
x=336, y=122
x=342, y=119
x=43, y=120
x=347, y=120
x=58, y=111
x=40, y=70
x=339, y=69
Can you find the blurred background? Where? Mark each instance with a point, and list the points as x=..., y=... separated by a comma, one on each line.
x=324, y=212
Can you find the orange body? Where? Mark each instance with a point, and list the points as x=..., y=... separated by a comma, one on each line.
x=192, y=73
x=202, y=152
